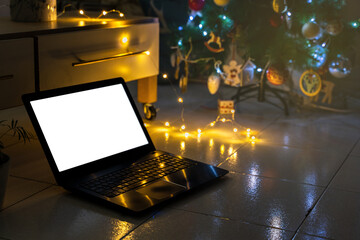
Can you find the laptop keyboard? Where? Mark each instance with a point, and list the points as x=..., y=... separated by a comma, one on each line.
x=124, y=180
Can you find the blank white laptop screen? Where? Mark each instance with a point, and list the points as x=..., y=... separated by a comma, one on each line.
x=86, y=126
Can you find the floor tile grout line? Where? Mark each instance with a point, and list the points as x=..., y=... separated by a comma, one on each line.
x=230, y=219
x=1, y=210
x=140, y=224
x=278, y=179
x=33, y=180
x=246, y=144
x=325, y=190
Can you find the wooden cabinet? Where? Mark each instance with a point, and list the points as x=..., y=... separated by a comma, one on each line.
x=78, y=57
x=42, y=56
x=16, y=70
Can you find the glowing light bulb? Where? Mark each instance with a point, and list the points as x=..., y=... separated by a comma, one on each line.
x=183, y=127
x=121, y=14
x=191, y=18
x=182, y=145
x=232, y=111
x=205, y=33
x=222, y=149
x=180, y=28
x=200, y=26
x=167, y=124
x=104, y=12
x=211, y=142
x=165, y=75
x=248, y=130
x=212, y=124
x=199, y=130
x=235, y=130
x=186, y=134
x=259, y=70
x=161, y=165
x=253, y=138
x=145, y=125
x=124, y=40
x=166, y=136
x=180, y=100
x=223, y=119
x=81, y=12
x=147, y=53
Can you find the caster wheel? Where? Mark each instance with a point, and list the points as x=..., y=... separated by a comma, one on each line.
x=149, y=111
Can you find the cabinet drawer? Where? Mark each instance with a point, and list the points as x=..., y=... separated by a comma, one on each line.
x=131, y=52
x=16, y=70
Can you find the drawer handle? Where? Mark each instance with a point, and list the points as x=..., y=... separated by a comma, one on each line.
x=82, y=63
x=6, y=77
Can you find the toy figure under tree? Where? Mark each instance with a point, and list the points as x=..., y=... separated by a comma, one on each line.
x=256, y=46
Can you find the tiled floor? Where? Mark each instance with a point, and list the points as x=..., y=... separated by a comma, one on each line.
x=299, y=180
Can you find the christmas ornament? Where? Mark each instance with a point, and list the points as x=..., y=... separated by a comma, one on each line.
x=232, y=72
x=226, y=107
x=275, y=20
x=213, y=83
x=279, y=6
x=288, y=21
x=340, y=67
x=214, y=43
x=310, y=83
x=276, y=75
x=318, y=56
x=221, y=3
x=183, y=83
x=173, y=59
x=334, y=27
x=310, y=30
x=196, y=5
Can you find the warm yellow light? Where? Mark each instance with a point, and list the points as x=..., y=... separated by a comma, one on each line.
x=253, y=138
x=222, y=149
x=223, y=119
x=145, y=125
x=199, y=130
x=162, y=165
x=104, y=22
x=182, y=145
x=124, y=39
x=211, y=142
x=180, y=100
x=183, y=127
x=121, y=14
x=147, y=53
x=81, y=12
x=104, y=12
x=232, y=111
x=248, y=130
x=167, y=124
x=165, y=75
x=186, y=134
x=212, y=124
x=81, y=23
x=235, y=130
x=166, y=136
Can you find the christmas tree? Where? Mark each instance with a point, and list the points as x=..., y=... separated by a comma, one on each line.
x=260, y=45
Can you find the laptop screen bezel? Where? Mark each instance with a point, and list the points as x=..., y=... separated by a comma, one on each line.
x=123, y=158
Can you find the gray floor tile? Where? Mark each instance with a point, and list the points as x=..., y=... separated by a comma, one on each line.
x=177, y=224
x=308, y=165
x=347, y=177
x=56, y=214
x=335, y=216
x=19, y=189
x=310, y=132
x=254, y=199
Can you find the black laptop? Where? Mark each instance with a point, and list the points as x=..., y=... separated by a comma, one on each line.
x=96, y=144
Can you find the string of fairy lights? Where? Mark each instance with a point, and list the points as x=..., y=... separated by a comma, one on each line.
x=236, y=128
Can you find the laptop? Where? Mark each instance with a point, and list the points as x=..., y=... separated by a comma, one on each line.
x=96, y=144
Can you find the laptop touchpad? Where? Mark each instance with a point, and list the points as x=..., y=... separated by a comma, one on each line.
x=161, y=189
